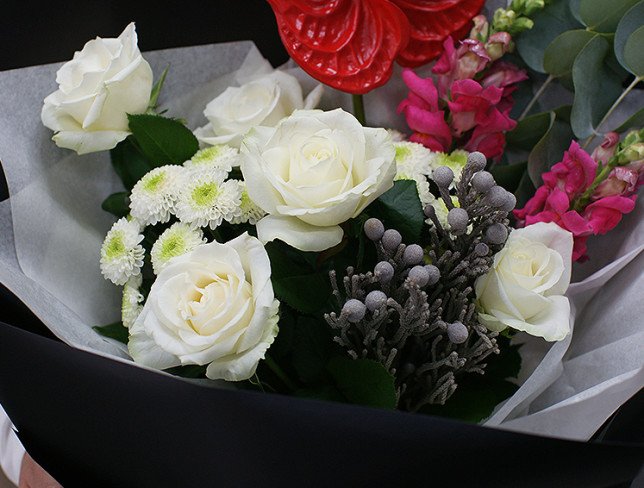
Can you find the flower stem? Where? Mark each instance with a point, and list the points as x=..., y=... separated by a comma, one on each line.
x=536, y=97
x=584, y=199
x=358, y=109
x=612, y=109
x=279, y=372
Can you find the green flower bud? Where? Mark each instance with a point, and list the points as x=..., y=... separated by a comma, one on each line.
x=521, y=24
x=532, y=6
x=634, y=152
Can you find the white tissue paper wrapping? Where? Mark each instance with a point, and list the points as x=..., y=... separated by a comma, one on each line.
x=52, y=228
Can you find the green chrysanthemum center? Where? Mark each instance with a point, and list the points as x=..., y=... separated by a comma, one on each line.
x=206, y=155
x=153, y=183
x=173, y=246
x=205, y=195
x=115, y=247
x=402, y=152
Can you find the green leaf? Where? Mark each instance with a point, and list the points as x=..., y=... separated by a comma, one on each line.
x=116, y=331
x=632, y=21
x=529, y=130
x=596, y=87
x=549, y=150
x=400, y=208
x=509, y=176
x=156, y=89
x=118, y=204
x=474, y=399
x=603, y=15
x=312, y=348
x=525, y=190
x=129, y=163
x=507, y=364
x=562, y=51
x=295, y=280
x=548, y=24
x=363, y=381
x=635, y=120
x=633, y=52
x=189, y=371
x=321, y=392
x=163, y=140
x=477, y=395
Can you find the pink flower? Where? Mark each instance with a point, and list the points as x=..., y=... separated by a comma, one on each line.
x=606, y=149
x=423, y=115
x=473, y=105
x=574, y=174
x=621, y=181
x=567, y=180
x=506, y=76
x=498, y=44
x=480, y=29
x=459, y=64
x=605, y=214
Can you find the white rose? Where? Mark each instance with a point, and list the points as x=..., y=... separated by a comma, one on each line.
x=103, y=83
x=214, y=305
x=263, y=101
x=525, y=287
x=314, y=171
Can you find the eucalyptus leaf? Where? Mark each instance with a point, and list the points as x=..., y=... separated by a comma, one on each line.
x=554, y=19
x=631, y=21
x=562, y=51
x=596, y=87
x=400, y=208
x=634, y=52
x=549, y=150
x=363, y=381
x=509, y=176
x=529, y=130
x=635, y=120
x=163, y=140
x=603, y=15
x=525, y=191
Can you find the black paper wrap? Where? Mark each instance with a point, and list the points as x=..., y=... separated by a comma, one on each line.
x=95, y=422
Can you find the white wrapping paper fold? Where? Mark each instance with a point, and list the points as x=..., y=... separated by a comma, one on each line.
x=52, y=228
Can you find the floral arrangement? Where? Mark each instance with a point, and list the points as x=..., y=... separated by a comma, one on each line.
x=300, y=251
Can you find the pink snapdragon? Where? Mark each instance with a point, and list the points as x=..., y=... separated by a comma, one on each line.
x=459, y=64
x=558, y=199
x=456, y=111
x=423, y=114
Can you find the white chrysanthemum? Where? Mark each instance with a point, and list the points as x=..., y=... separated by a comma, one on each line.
x=250, y=212
x=206, y=200
x=131, y=304
x=442, y=211
x=455, y=161
x=177, y=240
x=413, y=160
x=122, y=253
x=220, y=156
x=154, y=196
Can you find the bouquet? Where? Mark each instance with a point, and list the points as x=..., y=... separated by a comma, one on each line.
x=423, y=265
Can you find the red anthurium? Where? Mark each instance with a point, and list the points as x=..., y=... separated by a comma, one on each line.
x=432, y=21
x=347, y=44
x=351, y=45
